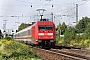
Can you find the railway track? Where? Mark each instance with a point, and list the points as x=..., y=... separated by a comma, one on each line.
x=74, y=53
x=59, y=54
x=80, y=52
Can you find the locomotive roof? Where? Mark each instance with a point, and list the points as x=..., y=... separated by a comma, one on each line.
x=43, y=21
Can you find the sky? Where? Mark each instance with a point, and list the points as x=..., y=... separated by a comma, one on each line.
x=16, y=12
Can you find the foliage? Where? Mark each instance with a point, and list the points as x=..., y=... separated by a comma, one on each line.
x=86, y=34
x=8, y=38
x=71, y=38
x=82, y=25
x=78, y=36
x=17, y=51
x=61, y=28
x=0, y=32
x=24, y=25
x=59, y=40
x=69, y=35
x=0, y=44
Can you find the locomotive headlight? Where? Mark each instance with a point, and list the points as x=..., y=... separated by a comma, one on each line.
x=51, y=36
x=39, y=36
x=36, y=40
x=39, y=41
x=51, y=40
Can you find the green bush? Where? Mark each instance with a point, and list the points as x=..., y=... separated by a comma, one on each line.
x=8, y=38
x=57, y=39
x=0, y=44
x=17, y=51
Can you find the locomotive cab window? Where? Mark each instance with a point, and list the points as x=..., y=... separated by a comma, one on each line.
x=49, y=28
x=41, y=27
x=45, y=28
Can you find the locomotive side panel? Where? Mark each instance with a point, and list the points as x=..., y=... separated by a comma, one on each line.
x=36, y=33
x=33, y=35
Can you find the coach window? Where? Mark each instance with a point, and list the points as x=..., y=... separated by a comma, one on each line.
x=21, y=34
x=15, y=35
x=24, y=33
x=28, y=32
x=18, y=35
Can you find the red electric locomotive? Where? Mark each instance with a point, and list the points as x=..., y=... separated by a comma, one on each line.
x=42, y=33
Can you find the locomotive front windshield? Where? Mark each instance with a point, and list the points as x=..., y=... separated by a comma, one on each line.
x=45, y=28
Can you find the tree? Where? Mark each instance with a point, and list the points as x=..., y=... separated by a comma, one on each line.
x=86, y=35
x=0, y=34
x=81, y=26
x=69, y=35
x=63, y=27
x=23, y=25
x=59, y=29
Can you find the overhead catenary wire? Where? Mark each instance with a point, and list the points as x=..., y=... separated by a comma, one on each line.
x=29, y=2
x=46, y=4
x=24, y=1
x=11, y=10
x=69, y=9
x=44, y=7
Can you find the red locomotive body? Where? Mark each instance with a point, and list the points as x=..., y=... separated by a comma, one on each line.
x=41, y=33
